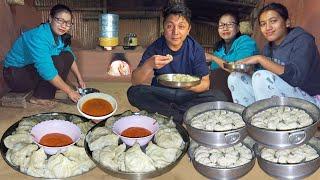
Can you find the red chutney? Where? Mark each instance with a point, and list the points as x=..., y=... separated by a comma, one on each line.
x=55, y=140
x=136, y=132
x=97, y=107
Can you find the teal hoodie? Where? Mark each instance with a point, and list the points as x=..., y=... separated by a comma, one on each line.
x=36, y=46
x=242, y=47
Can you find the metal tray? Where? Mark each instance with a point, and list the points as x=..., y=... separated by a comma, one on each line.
x=167, y=80
x=234, y=67
x=221, y=173
x=215, y=139
x=281, y=139
x=13, y=127
x=132, y=175
x=287, y=171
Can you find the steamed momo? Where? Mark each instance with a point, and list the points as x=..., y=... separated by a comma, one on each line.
x=109, y=156
x=61, y=167
x=107, y=140
x=78, y=155
x=217, y=120
x=12, y=140
x=37, y=163
x=161, y=156
x=169, y=138
x=136, y=161
x=298, y=154
x=281, y=118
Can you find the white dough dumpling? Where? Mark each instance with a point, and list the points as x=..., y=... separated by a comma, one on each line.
x=223, y=157
x=281, y=118
x=217, y=120
x=290, y=156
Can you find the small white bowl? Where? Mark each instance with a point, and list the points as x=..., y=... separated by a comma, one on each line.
x=135, y=121
x=104, y=96
x=55, y=126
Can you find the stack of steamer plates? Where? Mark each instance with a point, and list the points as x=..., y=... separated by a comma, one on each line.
x=217, y=132
x=282, y=128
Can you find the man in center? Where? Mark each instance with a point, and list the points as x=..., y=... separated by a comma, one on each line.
x=174, y=52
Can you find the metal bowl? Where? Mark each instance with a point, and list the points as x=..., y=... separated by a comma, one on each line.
x=234, y=67
x=132, y=175
x=287, y=171
x=86, y=91
x=214, y=139
x=221, y=173
x=281, y=139
x=167, y=80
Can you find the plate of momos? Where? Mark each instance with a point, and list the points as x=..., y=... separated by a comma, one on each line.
x=23, y=155
x=178, y=80
x=159, y=156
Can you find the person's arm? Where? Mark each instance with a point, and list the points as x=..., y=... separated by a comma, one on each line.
x=76, y=72
x=58, y=82
x=265, y=62
x=203, y=86
x=219, y=61
x=145, y=72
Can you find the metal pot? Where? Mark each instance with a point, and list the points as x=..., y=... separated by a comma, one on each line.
x=281, y=139
x=214, y=139
x=221, y=173
x=287, y=171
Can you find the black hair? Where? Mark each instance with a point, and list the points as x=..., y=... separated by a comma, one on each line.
x=279, y=8
x=66, y=38
x=177, y=8
x=59, y=8
x=236, y=18
x=233, y=15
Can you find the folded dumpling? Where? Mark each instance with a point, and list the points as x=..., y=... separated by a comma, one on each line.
x=109, y=156
x=12, y=140
x=136, y=161
x=169, y=138
x=20, y=156
x=61, y=167
x=37, y=163
x=107, y=140
x=79, y=155
x=162, y=156
x=96, y=133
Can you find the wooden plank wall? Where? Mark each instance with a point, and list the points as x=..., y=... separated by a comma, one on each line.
x=85, y=31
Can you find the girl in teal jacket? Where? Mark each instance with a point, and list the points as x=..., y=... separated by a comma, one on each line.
x=233, y=45
x=41, y=59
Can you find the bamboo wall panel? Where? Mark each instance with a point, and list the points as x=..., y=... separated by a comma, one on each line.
x=206, y=34
x=147, y=30
x=70, y=3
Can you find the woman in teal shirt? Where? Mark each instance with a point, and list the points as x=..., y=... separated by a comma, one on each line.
x=41, y=59
x=233, y=46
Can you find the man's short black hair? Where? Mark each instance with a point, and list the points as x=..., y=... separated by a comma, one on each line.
x=177, y=9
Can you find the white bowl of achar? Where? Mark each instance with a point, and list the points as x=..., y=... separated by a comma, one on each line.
x=55, y=136
x=97, y=106
x=135, y=128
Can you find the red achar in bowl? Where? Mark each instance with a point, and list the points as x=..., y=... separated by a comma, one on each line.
x=136, y=132
x=55, y=140
x=97, y=107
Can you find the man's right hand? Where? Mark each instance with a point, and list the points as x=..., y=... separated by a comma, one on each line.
x=158, y=61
